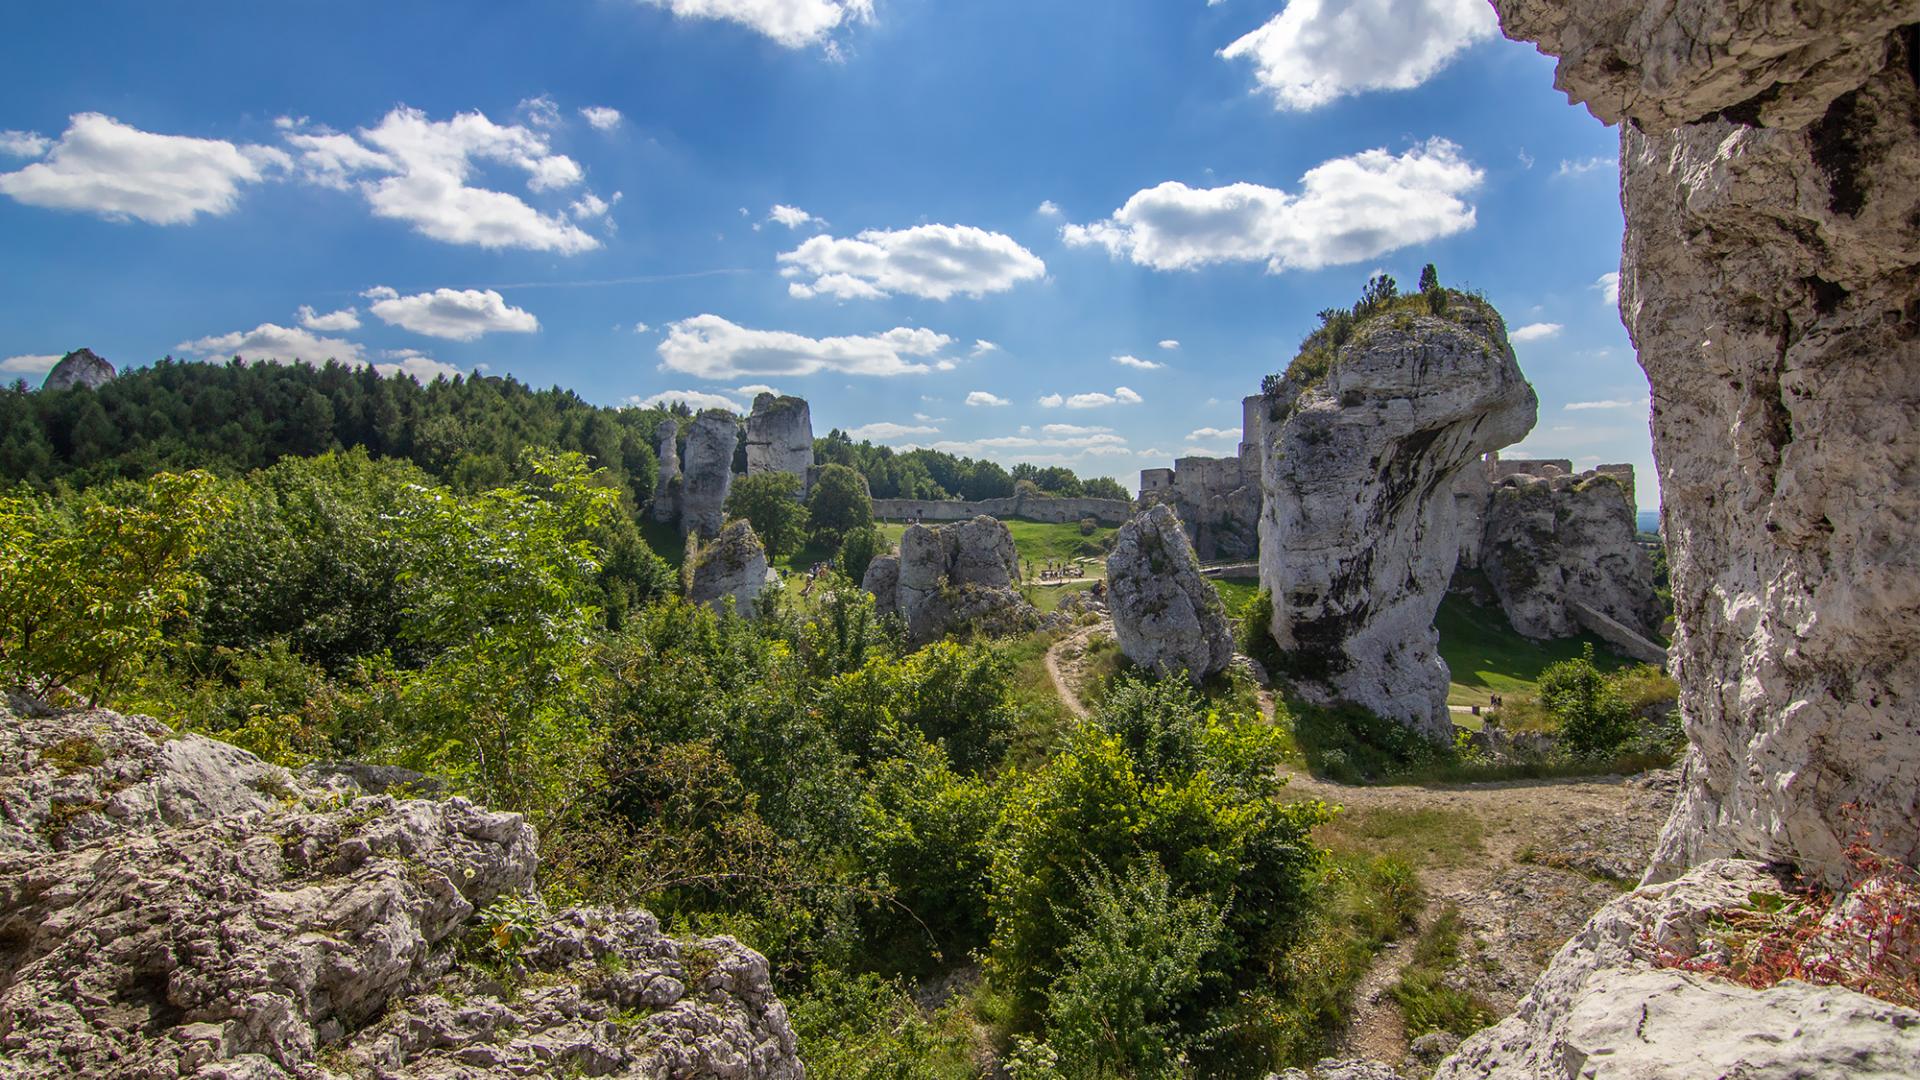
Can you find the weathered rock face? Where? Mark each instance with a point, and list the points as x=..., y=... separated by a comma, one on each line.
x=173, y=906
x=1769, y=280
x=950, y=578
x=666, y=489
x=732, y=566
x=1165, y=615
x=81, y=367
x=1605, y=1009
x=779, y=436
x=1553, y=547
x=1358, y=534
x=706, y=475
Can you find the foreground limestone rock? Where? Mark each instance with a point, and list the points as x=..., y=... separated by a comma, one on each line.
x=1605, y=1009
x=1556, y=549
x=81, y=367
x=1165, y=615
x=1771, y=160
x=780, y=436
x=706, y=473
x=1358, y=535
x=666, y=489
x=733, y=566
x=951, y=578
x=173, y=906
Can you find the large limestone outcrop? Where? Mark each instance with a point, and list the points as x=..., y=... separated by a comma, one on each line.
x=706, y=473
x=779, y=436
x=1770, y=279
x=950, y=578
x=1357, y=538
x=1606, y=1009
x=732, y=566
x=666, y=489
x=1165, y=615
x=173, y=906
x=1557, y=550
x=81, y=367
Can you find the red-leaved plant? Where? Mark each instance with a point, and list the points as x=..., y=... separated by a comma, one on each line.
x=1865, y=937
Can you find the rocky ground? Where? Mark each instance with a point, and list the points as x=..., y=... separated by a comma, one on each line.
x=173, y=906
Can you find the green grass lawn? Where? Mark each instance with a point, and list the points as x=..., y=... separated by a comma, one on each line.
x=1236, y=593
x=1488, y=657
x=1038, y=543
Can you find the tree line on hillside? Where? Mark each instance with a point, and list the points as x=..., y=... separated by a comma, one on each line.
x=468, y=431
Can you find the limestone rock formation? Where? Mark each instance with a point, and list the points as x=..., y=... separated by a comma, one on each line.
x=732, y=566
x=1771, y=161
x=706, y=474
x=950, y=578
x=1604, y=1008
x=1165, y=615
x=779, y=436
x=666, y=489
x=81, y=367
x=173, y=906
x=1358, y=534
x=1557, y=548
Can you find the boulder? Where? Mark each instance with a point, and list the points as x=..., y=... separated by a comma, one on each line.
x=173, y=906
x=1166, y=617
x=1552, y=545
x=666, y=489
x=732, y=566
x=1770, y=158
x=81, y=367
x=779, y=436
x=1607, y=1007
x=706, y=473
x=1359, y=533
x=953, y=578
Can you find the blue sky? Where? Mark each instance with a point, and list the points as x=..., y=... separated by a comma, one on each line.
x=891, y=207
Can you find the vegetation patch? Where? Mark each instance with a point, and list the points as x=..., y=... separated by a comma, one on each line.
x=1425, y=999
x=73, y=755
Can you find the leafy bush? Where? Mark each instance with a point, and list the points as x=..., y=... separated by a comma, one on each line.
x=87, y=585
x=1594, y=720
x=838, y=504
x=858, y=548
x=770, y=502
x=1255, y=631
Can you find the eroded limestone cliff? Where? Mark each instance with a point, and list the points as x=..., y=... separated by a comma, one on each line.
x=1358, y=531
x=1770, y=279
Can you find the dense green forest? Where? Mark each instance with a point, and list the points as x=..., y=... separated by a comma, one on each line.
x=467, y=431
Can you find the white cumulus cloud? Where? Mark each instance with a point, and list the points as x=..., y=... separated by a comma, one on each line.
x=1120, y=396
x=601, y=117
x=693, y=399
x=102, y=166
x=1135, y=362
x=980, y=398
x=27, y=144
x=1048, y=208
x=30, y=364
x=1608, y=285
x=710, y=347
x=414, y=169
x=1213, y=434
x=1539, y=331
x=932, y=261
x=1169, y=343
x=1580, y=406
x=413, y=362
x=454, y=314
x=332, y=322
x=1317, y=51
x=1585, y=165
x=887, y=429
x=791, y=216
x=278, y=344
x=793, y=23
x=1347, y=210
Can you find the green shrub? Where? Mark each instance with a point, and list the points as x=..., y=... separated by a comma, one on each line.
x=858, y=548
x=1594, y=721
x=771, y=503
x=837, y=504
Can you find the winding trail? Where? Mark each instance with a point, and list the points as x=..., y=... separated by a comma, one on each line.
x=1068, y=696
